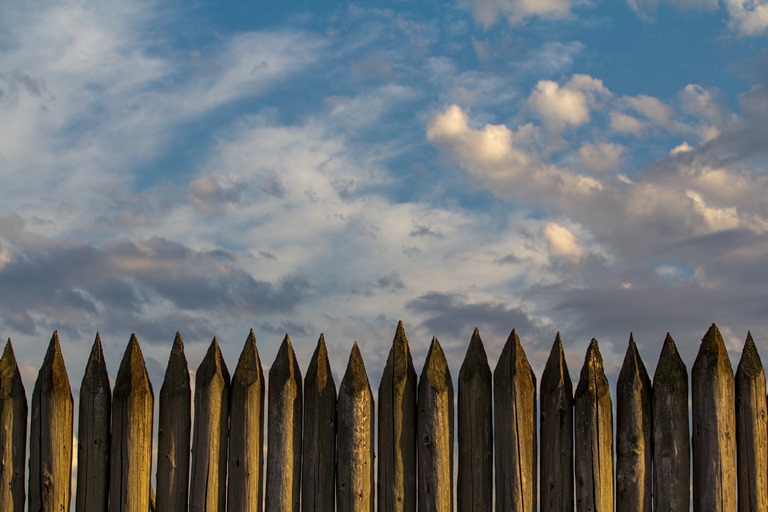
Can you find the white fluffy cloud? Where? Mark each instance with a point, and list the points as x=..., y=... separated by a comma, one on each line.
x=487, y=12
x=567, y=105
x=562, y=242
x=746, y=17
x=601, y=156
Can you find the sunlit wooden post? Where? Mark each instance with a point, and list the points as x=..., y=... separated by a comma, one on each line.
x=13, y=433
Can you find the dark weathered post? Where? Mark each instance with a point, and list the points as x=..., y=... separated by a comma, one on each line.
x=319, y=443
x=435, y=433
x=284, y=432
x=50, y=434
x=514, y=404
x=246, y=432
x=556, y=425
x=354, y=483
x=93, y=438
x=13, y=433
x=175, y=432
x=594, y=436
x=210, y=435
x=397, y=429
x=751, y=430
x=130, y=457
x=475, y=480
x=714, y=427
x=634, y=449
x=671, y=440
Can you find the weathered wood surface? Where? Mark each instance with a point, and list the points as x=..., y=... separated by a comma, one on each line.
x=751, y=431
x=435, y=433
x=319, y=440
x=246, y=432
x=514, y=402
x=208, y=488
x=714, y=427
x=93, y=434
x=396, y=482
x=50, y=434
x=634, y=447
x=175, y=429
x=671, y=439
x=593, y=425
x=556, y=405
x=354, y=481
x=13, y=433
x=284, y=432
x=475, y=477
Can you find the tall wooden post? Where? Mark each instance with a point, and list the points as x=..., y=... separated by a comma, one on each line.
x=13, y=433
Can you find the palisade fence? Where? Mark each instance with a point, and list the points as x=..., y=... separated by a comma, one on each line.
x=320, y=451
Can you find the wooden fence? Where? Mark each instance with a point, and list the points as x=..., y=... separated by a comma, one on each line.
x=320, y=451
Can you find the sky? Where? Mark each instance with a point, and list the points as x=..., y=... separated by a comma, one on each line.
x=590, y=167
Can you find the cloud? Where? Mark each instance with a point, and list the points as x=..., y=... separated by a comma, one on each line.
x=569, y=105
x=746, y=17
x=562, y=242
x=210, y=195
x=487, y=12
x=646, y=9
x=601, y=156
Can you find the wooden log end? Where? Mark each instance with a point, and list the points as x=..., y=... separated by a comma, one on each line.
x=11, y=385
x=399, y=361
x=285, y=367
x=633, y=370
x=176, y=380
x=53, y=374
x=436, y=371
x=355, y=378
x=712, y=350
x=319, y=374
x=670, y=369
x=750, y=365
x=96, y=378
x=212, y=366
x=556, y=375
x=132, y=376
x=475, y=360
x=592, y=379
x=248, y=370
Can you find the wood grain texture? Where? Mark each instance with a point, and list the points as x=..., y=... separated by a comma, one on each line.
x=13, y=433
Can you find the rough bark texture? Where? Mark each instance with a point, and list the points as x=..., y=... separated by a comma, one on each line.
x=319, y=440
x=556, y=390
x=13, y=433
x=93, y=434
x=354, y=482
x=397, y=429
x=751, y=431
x=246, y=432
x=475, y=479
x=594, y=436
x=633, y=434
x=50, y=434
x=174, y=433
x=284, y=432
x=714, y=427
x=671, y=439
x=514, y=402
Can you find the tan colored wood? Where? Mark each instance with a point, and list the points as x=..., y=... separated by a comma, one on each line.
x=13, y=433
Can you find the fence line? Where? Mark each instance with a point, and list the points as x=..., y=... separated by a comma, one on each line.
x=333, y=436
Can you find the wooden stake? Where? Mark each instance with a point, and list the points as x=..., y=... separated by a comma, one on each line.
x=13, y=434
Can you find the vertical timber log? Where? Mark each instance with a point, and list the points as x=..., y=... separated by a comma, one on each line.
x=751, y=431
x=207, y=491
x=50, y=434
x=633, y=434
x=245, y=492
x=514, y=401
x=671, y=439
x=131, y=445
x=93, y=434
x=354, y=483
x=284, y=432
x=556, y=390
x=174, y=433
x=593, y=425
x=435, y=433
x=13, y=433
x=397, y=429
x=319, y=443
x=714, y=427
x=475, y=479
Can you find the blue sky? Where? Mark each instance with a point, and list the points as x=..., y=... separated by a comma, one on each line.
x=590, y=167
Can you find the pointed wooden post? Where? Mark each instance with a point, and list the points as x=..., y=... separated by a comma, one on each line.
x=671, y=439
x=593, y=426
x=50, y=434
x=131, y=446
x=714, y=427
x=354, y=484
x=93, y=438
x=175, y=433
x=751, y=430
x=13, y=434
x=514, y=403
x=207, y=491
x=246, y=432
x=475, y=480
x=396, y=483
x=633, y=434
x=435, y=433
x=319, y=444
x=284, y=432
x=556, y=433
